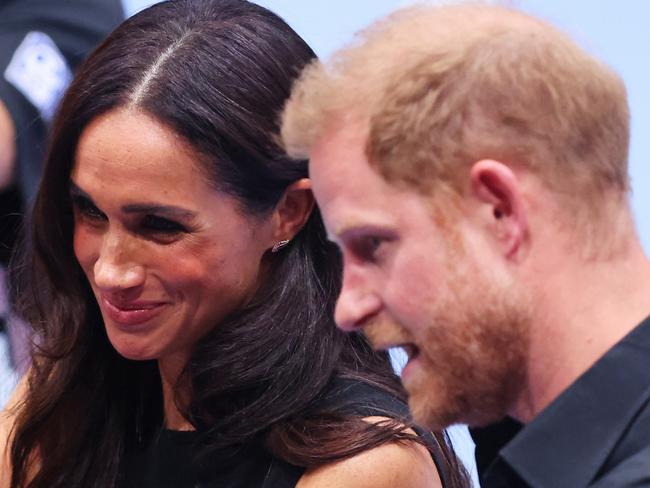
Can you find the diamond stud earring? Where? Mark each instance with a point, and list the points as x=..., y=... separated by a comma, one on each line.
x=279, y=245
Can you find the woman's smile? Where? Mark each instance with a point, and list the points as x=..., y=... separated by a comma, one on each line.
x=131, y=313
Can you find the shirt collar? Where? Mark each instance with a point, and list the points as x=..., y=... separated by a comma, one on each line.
x=570, y=440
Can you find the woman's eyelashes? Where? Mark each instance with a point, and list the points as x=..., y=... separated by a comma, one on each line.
x=147, y=224
x=87, y=209
x=162, y=225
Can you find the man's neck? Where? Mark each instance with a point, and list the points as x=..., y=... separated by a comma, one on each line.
x=582, y=310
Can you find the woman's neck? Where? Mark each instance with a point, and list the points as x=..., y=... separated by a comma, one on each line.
x=170, y=370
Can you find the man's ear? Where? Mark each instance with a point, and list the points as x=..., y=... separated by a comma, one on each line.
x=495, y=186
x=292, y=210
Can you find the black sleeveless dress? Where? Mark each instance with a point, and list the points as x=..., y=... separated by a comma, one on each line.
x=168, y=462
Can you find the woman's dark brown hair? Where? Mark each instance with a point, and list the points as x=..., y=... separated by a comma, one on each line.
x=216, y=72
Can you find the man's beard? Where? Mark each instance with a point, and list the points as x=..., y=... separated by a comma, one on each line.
x=472, y=357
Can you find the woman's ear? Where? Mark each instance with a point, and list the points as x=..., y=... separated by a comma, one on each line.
x=498, y=191
x=292, y=210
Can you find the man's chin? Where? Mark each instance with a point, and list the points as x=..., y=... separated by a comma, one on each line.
x=437, y=412
x=429, y=416
x=430, y=407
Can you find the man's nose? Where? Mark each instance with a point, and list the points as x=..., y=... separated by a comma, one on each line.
x=116, y=268
x=357, y=302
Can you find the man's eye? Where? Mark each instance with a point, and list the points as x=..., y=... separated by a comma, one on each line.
x=367, y=247
x=161, y=225
x=87, y=208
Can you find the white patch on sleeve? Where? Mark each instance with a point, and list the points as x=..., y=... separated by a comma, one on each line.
x=39, y=71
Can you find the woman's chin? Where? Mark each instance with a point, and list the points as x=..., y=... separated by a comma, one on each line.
x=134, y=354
x=133, y=349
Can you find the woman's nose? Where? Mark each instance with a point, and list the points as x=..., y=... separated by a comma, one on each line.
x=115, y=268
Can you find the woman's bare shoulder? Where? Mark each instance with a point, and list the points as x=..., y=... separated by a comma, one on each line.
x=7, y=421
x=389, y=465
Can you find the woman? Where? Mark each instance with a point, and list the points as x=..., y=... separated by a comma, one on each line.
x=180, y=283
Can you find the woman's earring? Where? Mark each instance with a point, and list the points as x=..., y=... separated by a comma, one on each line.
x=279, y=245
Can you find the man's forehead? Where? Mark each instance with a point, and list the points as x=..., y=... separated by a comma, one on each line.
x=359, y=202
x=338, y=157
x=341, y=131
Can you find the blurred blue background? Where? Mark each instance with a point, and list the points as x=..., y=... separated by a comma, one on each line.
x=615, y=31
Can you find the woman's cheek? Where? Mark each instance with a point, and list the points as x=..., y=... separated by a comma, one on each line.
x=85, y=246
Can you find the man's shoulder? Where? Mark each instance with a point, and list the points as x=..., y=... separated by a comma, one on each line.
x=633, y=471
x=629, y=462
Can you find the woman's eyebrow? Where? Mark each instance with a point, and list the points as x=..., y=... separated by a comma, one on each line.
x=146, y=207
x=168, y=210
x=75, y=190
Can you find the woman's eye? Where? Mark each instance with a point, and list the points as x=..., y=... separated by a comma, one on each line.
x=161, y=225
x=87, y=208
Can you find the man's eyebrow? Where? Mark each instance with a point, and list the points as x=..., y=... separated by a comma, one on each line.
x=351, y=228
x=345, y=228
x=145, y=207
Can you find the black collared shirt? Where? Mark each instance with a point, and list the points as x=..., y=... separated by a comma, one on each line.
x=596, y=433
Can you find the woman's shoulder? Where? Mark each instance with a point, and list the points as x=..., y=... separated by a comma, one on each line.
x=6, y=424
x=393, y=463
x=7, y=421
x=388, y=465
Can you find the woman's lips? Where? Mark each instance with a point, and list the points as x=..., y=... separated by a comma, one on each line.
x=132, y=313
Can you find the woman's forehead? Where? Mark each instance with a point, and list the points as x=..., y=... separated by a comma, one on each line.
x=129, y=149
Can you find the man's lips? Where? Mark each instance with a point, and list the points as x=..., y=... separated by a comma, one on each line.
x=412, y=353
x=404, y=354
x=409, y=349
x=131, y=313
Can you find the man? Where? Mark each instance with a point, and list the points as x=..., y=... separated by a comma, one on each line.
x=471, y=163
